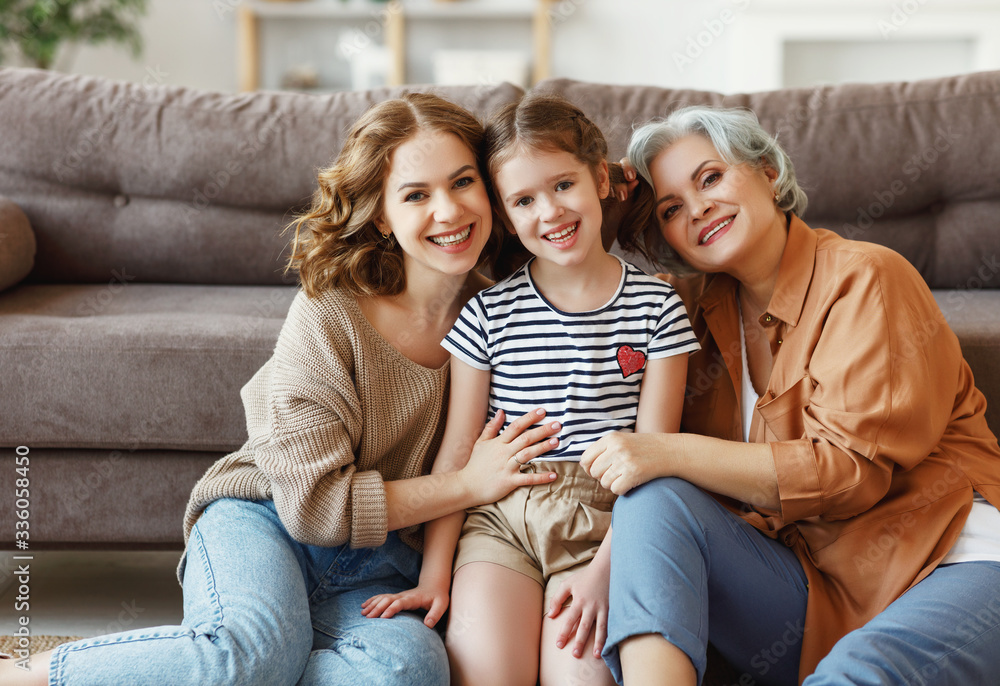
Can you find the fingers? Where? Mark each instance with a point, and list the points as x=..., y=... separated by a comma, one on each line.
x=519, y=425
x=492, y=427
x=438, y=606
x=592, y=452
x=567, y=628
x=376, y=605
x=582, y=634
x=628, y=169
x=535, y=479
x=388, y=605
x=559, y=599
x=600, y=634
x=532, y=444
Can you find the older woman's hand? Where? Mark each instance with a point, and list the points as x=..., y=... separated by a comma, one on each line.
x=621, y=461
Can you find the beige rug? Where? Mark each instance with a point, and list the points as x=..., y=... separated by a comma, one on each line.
x=39, y=644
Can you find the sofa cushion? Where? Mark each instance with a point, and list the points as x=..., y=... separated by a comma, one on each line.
x=974, y=316
x=17, y=244
x=177, y=185
x=909, y=165
x=133, y=366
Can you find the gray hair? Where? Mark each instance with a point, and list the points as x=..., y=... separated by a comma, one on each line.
x=738, y=137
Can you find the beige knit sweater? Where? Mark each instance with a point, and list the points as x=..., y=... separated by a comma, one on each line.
x=334, y=413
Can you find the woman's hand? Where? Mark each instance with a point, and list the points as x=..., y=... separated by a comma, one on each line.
x=624, y=183
x=589, y=611
x=493, y=470
x=431, y=597
x=621, y=461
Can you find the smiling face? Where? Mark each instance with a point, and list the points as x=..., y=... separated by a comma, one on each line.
x=553, y=203
x=436, y=204
x=710, y=212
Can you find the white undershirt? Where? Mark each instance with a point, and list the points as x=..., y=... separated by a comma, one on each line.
x=980, y=536
x=750, y=396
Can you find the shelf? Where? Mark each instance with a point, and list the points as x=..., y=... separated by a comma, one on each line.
x=392, y=16
x=369, y=9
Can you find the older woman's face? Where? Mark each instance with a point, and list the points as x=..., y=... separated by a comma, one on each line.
x=710, y=212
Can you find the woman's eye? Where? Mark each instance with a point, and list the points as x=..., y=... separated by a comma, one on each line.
x=464, y=181
x=415, y=197
x=712, y=177
x=564, y=185
x=522, y=202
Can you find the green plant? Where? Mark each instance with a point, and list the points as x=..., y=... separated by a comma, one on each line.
x=37, y=28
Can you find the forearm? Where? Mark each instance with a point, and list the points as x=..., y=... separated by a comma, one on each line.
x=425, y=498
x=440, y=541
x=744, y=471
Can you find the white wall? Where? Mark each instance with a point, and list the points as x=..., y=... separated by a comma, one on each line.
x=661, y=42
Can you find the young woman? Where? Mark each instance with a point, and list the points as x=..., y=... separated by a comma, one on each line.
x=854, y=537
x=599, y=344
x=318, y=510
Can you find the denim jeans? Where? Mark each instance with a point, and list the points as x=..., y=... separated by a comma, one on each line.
x=261, y=608
x=686, y=568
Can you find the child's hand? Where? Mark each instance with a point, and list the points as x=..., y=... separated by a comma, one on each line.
x=386, y=605
x=494, y=468
x=589, y=611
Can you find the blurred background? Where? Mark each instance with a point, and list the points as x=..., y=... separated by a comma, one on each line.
x=720, y=45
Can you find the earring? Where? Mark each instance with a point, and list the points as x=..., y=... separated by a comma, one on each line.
x=776, y=196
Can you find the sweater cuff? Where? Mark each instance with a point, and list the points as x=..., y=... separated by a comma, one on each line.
x=369, y=511
x=798, y=480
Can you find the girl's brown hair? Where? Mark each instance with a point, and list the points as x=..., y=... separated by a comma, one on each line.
x=336, y=243
x=539, y=121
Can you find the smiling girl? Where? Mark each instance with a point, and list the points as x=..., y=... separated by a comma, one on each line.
x=579, y=332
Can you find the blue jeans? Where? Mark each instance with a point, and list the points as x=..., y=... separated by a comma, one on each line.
x=261, y=608
x=684, y=567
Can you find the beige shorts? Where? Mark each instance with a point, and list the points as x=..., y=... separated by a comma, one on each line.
x=546, y=532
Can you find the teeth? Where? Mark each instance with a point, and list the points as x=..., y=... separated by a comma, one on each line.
x=454, y=238
x=716, y=230
x=562, y=235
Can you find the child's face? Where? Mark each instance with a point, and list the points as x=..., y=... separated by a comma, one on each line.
x=553, y=202
x=436, y=204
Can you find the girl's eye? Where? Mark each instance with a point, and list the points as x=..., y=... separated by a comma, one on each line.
x=669, y=212
x=415, y=196
x=564, y=185
x=464, y=182
x=522, y=202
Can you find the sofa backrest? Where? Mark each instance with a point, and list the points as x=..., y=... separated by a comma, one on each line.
x=913, y=166
x=168, y=184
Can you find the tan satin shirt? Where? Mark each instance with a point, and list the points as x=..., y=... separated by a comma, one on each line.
x=875, y=425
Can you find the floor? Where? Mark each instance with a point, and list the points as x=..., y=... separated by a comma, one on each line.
x=88, y=593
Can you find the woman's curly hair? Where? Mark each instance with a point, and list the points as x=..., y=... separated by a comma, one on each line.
x=337, y=243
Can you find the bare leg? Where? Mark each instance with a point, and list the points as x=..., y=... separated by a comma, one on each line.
x=651, y=659
x=495, y=626
x=37, y=673
x=560, y=667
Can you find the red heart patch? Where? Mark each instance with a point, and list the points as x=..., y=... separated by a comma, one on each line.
x=630, y=360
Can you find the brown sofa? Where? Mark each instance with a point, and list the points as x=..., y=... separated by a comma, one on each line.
x=157, y=287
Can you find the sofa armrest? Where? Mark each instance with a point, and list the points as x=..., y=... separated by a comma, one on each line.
x=17, y=244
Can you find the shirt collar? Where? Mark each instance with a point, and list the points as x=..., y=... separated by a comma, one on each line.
x=794, y=276
x=794, y=273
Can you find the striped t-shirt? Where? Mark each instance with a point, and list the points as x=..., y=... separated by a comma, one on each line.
x=584, y=368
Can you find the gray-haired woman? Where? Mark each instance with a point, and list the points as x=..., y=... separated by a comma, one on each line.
x=830, y=513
